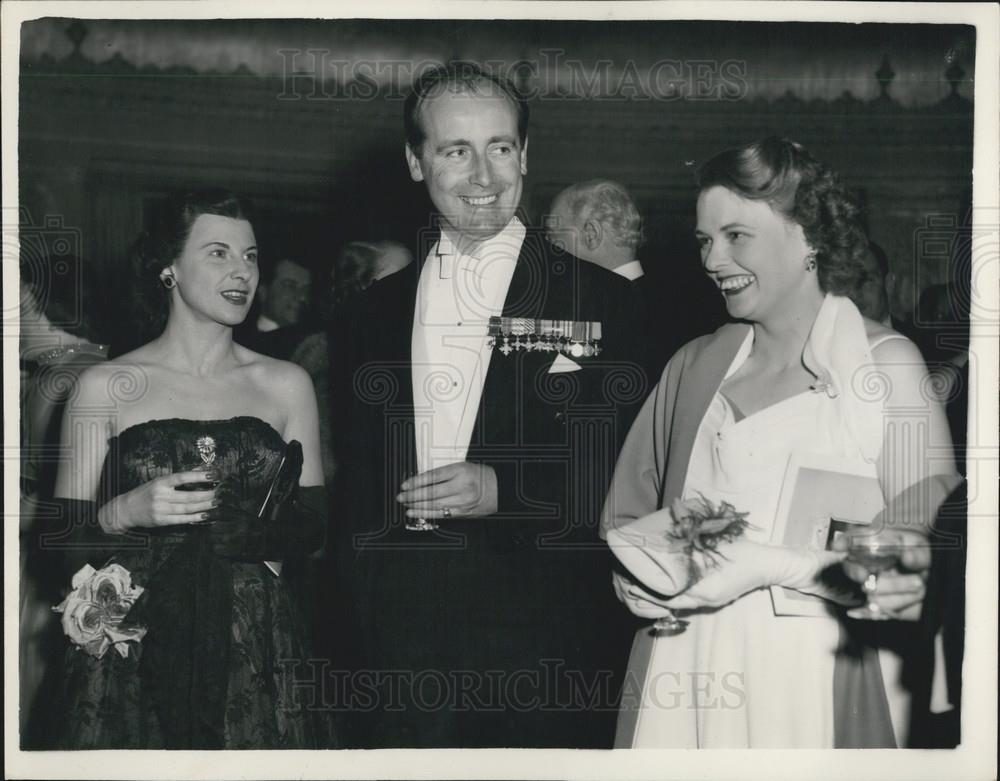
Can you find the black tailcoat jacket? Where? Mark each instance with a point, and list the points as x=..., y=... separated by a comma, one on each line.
x=499, y=630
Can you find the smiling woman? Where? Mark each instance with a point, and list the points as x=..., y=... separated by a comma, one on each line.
x=782, y=241
x=174, y=452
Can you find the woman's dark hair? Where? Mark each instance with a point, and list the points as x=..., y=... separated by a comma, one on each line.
x=162, y=243
x=805, y=191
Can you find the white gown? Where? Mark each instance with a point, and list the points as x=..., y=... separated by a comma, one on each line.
x=740, y=676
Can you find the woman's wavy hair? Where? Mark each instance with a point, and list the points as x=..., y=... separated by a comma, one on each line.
x=162, y=243
x=801, y=189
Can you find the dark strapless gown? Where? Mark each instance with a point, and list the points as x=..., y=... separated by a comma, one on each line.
x=222, y=664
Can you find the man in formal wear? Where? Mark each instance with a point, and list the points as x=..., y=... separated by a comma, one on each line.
x=491, y=386
x=283, y=297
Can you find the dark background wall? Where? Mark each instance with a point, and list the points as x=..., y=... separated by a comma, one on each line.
x=305, y=118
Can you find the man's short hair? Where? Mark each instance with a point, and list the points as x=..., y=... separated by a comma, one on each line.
x=609, y=203
x=458, y=77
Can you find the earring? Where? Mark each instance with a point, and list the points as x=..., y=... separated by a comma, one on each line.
x=811, y=261
x=168, y=281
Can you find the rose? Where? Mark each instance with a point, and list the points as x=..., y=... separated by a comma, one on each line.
x=93, y=611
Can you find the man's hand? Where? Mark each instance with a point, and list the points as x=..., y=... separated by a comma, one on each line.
x=901, y=590
x=457, y=490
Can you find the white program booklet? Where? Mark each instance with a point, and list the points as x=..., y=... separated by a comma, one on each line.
x=821, y=496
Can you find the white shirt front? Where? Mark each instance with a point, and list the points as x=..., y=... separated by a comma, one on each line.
x=265, y=324
x=456, y=296
x=631, y=270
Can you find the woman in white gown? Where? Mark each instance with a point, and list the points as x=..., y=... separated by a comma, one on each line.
x=803, y=373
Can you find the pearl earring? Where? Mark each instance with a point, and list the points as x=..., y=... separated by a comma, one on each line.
x=811, y=261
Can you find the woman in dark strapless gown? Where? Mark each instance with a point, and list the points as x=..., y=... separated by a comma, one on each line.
x=174, y=448
x=223, y=668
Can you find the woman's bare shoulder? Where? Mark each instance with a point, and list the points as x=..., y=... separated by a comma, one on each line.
x=272, y=374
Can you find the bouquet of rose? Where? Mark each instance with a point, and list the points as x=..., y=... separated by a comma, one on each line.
x=94, y=611
x=670, y=549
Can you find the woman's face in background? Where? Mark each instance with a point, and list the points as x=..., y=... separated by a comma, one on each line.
x=755, y=256
x=216, y=271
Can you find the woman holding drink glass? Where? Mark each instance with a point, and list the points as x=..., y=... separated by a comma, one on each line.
x=174, y=447
x=801, y=372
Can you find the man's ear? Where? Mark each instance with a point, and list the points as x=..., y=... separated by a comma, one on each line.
x=592, y=234
x=261, y=294
x=413, y=162
x=524, y=157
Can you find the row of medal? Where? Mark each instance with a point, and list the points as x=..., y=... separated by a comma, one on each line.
x=570, y=337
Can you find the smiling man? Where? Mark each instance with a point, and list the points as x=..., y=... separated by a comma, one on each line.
x=487, y=416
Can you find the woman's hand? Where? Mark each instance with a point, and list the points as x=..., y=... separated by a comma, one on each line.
x=637, y=599
x=159, y=503
x=746, y=566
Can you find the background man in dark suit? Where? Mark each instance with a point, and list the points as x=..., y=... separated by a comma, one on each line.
x=598, y=221
x=283, y=296
x=489, y=392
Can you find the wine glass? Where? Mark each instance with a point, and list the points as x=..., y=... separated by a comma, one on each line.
x=205, y=446
x=876, y=554
x=418, y=524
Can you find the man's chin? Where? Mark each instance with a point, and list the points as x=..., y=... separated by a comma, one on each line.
x=480, y=231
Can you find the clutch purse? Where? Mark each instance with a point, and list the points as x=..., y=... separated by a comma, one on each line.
x=283, y=484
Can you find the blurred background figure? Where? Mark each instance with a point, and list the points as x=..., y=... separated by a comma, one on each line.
x=901, y=289
x=283, y=297
x=598, y=222
x=358, y=265
x=944, y=329
x=871, y=295
x=61, y=336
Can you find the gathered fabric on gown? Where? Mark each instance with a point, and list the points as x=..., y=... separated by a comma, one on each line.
x=220, y=660
x=740, y=676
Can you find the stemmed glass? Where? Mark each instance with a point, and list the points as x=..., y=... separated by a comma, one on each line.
x=670, y=624
x=418, y=524
x=876, y=554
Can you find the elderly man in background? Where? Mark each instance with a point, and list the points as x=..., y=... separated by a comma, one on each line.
x=599, y=222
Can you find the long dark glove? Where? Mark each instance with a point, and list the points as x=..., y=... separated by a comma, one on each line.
x=296, y=527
